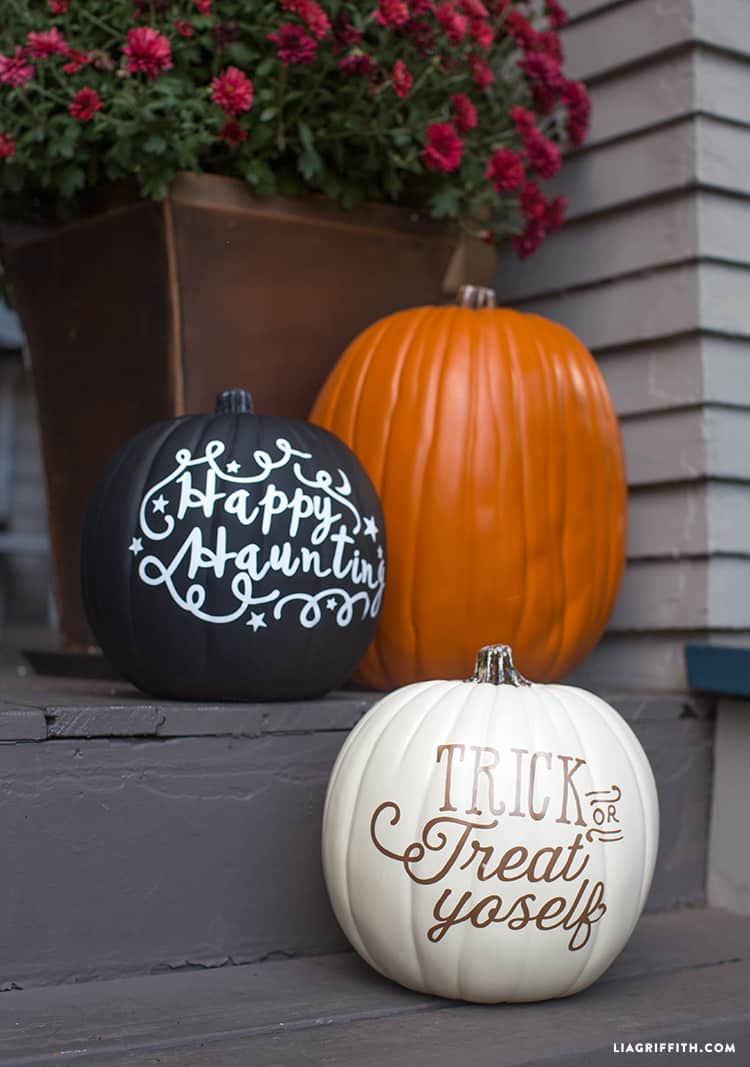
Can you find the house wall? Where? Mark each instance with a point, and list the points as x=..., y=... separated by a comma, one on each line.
x=653, y=273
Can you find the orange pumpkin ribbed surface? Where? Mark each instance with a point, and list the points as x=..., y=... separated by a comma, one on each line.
x=493, y=443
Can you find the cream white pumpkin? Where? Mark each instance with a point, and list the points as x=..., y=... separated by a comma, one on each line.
x=490, y=840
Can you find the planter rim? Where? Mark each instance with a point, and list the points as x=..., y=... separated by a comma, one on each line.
x=222, y=193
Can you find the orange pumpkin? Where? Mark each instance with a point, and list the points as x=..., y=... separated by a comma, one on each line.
x=493, y=443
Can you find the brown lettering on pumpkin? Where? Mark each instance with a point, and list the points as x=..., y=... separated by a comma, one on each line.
x=487, y=760
x=486, y=770
x=541, y=812
x=519, y=754
x=451, y=750
x=569, y=787
x=451, y=842
x=577, y=917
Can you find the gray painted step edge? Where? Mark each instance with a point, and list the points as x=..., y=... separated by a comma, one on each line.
x=335, y=1010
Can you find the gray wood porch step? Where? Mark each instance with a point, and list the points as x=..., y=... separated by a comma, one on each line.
x=684, y=977
x=138, y=835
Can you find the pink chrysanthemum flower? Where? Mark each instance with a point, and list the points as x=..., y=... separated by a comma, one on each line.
x=85, y=104
x=556, y=13
x=543, y=155
x=532, y=202
x=43, y=43
x=312, y=14
x=576, y=99
x=523, y=119
x=443, y=149
x=554, y=216
x=232, y=91
x=480, y=70
x=15, y=70
x=7, y=145
x=505, y=170
x=392, y=13
x=356, y=63
x=293, y=45
x=527, y=242
x=232, y=132
x=464, y=113
x=76, y=60
x=401, y=78
x=454, y=24
x=149, y=52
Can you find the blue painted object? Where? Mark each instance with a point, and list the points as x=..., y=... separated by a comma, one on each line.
x=718, y=669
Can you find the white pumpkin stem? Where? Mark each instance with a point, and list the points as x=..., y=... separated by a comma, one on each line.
x=476, y=296
x=494, y=665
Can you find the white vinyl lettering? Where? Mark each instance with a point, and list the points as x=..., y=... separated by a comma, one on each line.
x=312, y=528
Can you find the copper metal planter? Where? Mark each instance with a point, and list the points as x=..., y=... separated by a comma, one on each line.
x=145, y=311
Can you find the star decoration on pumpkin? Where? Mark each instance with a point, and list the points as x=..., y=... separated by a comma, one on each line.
x=136, y=546
x=257, y=621
x=371, y=529
x=160, y=503
x=331, y=603
x=233, y=467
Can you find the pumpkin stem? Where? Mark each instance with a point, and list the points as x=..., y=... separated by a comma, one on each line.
x=234, y=401
x=476, y=296
x=495, y=665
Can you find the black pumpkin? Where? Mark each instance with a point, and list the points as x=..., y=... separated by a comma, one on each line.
x=234, y=557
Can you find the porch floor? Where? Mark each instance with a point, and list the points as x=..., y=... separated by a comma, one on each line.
x=684, y=977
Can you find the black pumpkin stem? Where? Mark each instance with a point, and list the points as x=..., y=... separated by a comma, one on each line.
x=233, y=402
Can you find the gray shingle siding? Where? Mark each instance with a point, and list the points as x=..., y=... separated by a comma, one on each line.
x=653, y=273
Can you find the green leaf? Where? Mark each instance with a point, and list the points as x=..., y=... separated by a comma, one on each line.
x=306, y=136
x=12, y=181
x=156, y=183
x=331, y=185
x=309, y=163
x=290, y=185
x=240, y=54
x=63, y=143
x=267, y=114
x=155, y=145
x=186, y=152
x=402, y=138
x=265, y=67
x=70, y=181
x=121, y=152
x=393, y=184
x=260, y=177
x=446, y=204
x=351, y=197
